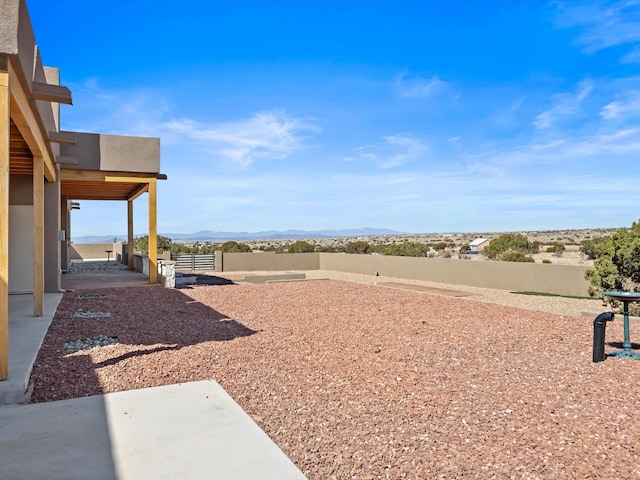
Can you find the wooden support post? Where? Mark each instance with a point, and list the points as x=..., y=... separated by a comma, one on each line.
x=4, y=222
x=153, y=233
x=130, y=234
x=38, y=236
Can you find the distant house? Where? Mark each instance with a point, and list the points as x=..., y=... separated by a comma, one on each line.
x=477, y=246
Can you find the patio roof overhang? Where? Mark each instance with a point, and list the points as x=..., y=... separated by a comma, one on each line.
x=99, y=185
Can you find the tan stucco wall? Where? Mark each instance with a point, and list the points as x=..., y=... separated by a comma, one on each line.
x=114, y=153
x=558, y=279
x=238, y=262
x=94, y=251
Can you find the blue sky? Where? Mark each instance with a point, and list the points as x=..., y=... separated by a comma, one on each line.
x=418, y=116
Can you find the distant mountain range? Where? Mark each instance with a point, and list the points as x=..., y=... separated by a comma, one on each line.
x=211, y=236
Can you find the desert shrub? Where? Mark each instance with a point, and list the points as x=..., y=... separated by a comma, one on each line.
x=141, y=244
x=407, y=249
x=513, y=256
x=234, y=247
x=507, y=242
x=590, y=246
x=557, y=249
x=535, y=246
x=617, y=266
x=546, y=260
x=360, y=247
x=300, y=247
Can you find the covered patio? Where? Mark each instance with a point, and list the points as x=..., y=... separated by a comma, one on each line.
x=45, y=171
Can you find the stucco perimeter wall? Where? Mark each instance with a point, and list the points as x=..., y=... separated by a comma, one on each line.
x=558, y=279
x=267, y=261
x=94, y=251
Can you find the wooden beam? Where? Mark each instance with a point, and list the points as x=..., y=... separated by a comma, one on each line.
x=105, y=176
x=38, y=236
x=4, y=224
x=138, y=191
x=153, y=234
x=130, y=240
x=51, y=93
x=24, y=115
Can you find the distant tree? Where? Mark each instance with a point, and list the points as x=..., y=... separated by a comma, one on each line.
x=438, y=247
x=535, y=246
x=590, y=246
x=407, y=249
x=141, y=244
x=557, y=249
x=513, y=256
x=617, y=266
x=234, y=247
x=300, y=247
x=507, y=242
x=360, y=247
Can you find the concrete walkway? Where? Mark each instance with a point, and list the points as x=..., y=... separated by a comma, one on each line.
x=186, y=431
x=26, y=334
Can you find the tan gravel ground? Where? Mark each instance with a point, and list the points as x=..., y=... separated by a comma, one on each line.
x=354, y=380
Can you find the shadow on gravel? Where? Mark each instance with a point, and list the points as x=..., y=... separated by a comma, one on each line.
x=147, y=321
x=634, y=346
x=136, y=353
x=201, y=279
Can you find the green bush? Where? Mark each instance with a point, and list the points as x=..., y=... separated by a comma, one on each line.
x=407, y=249
x=300, y=247
x=360, y=247
x=546, y=260
x=141, y=244
x=617, y=266
x=513, y=256
x=234, y=247
x=557, y=249
x=507, y=242
x=590, y=246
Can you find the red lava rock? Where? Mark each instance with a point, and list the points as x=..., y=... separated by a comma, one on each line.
x=361, y=381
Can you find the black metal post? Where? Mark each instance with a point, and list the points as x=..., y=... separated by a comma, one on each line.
x=599, y=330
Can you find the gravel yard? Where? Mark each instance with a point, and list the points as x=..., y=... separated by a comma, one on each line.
x=360, y=381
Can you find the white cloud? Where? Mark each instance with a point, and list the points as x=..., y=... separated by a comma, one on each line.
x=627, y=106
x=396, y=150
x=420, y=87
x=265, y=135
x=605, y=24
x=564, y=105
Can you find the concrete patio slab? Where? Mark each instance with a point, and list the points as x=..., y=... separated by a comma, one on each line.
x=104, y=279
x=187, y=431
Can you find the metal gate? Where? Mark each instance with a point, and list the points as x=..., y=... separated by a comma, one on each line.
x=195, y=261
